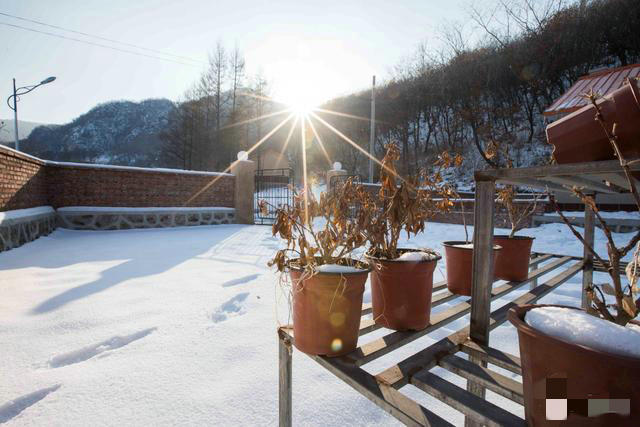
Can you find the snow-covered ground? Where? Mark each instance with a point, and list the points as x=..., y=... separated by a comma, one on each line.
x=178, y=326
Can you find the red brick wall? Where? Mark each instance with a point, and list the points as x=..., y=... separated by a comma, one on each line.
x=27, y=182
x=82, y=186
x=22, y=181
x=500, y=218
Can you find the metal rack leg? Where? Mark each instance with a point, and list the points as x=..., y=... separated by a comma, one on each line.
x=284, y=351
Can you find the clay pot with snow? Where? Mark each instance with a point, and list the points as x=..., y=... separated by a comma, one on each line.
x=578, y=137
x=327, y=306
x=401, y=289
x=512, y=262
x=459, y=259
x=577, y=368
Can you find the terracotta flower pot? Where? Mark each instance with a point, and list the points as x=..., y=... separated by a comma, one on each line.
x=401, y=292
x=578, y=137
x=512, y=262
x=555, y=368
x=326, y=311
x=459, y=266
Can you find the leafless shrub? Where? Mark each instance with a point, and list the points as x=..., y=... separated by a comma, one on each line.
x=626, y=305
x=402, y=204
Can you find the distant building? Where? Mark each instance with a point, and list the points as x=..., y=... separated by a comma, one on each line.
x=602, y=82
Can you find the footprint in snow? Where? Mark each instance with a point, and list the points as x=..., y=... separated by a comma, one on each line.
x=240, y=280
x=14, y=407
x=93, y=350
x=232, y=307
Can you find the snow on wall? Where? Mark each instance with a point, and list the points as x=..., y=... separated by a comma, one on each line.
x=26, y=182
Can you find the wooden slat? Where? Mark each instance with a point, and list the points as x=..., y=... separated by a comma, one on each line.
x=617, y=179
x=398, y=374
x=442, y=297
x=538, y=258
x=569, y=169
x=478, y=409
x=499, y=316
x=587, y=184
x=381, y=346
x=493, y=381
x=491, y=355
x=392, y=401
x=367, y=308
x=535, y=183
x=509, y=286
x=439, y=285
x=368, y=325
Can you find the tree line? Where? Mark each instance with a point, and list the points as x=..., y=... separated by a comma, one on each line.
x=463, y=97
x=215, y=118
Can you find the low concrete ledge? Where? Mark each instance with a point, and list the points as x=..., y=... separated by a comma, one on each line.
x=20, y=226
x=617, y=225
x=119, y=218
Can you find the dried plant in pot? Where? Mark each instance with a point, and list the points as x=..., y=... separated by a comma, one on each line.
x=401, y=278
x=590, y=357
x=326, y=283
x=459, y=260
x=512, y=262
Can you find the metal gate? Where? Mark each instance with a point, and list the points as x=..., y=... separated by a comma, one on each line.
x=274, y=187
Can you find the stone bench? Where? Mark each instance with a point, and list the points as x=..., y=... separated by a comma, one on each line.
x=20, y=226
x=118, y=218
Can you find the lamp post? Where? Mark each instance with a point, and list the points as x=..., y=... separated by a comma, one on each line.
x=16, y=94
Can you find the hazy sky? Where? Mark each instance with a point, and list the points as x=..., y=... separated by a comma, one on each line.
x=320, y=48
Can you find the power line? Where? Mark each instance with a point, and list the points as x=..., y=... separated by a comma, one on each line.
x=97, y=44
x=101, y=38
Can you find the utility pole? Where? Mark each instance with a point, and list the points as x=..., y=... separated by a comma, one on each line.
x=19, y=92
x=372, y=132
x=15, y=117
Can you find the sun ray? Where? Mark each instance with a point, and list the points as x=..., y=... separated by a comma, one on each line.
x=304, y=173
x=336, y=113
x=315, y=133
x=362, y=150
x=262, y=97
x=249, y=151
x=289, y=135
x=264, y=116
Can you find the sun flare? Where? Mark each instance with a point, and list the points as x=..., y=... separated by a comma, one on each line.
x=301, y=106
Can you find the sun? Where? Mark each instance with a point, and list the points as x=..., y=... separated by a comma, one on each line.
x=301, y=106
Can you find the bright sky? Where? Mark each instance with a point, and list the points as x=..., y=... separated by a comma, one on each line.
x=317, y=48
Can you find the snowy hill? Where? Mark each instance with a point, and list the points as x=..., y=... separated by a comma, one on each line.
x=118, y=132
x=24, y=130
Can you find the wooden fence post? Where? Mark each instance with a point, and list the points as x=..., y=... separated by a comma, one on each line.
x=482, y=274
x=284, y=383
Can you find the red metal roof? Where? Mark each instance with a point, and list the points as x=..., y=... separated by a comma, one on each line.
x=602, y=82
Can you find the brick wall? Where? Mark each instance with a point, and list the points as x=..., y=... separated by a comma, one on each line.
x=27, y=182
x=500, y=218
x=22, y=181
x=83, y=186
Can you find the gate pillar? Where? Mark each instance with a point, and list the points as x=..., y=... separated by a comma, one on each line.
x=244, y=171
x=337, y=171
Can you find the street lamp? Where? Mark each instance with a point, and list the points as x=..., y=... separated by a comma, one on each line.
x=16, y=94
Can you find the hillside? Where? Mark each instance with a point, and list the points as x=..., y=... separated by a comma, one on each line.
x=470, y=99
x=24, y=130
x=118, y=132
